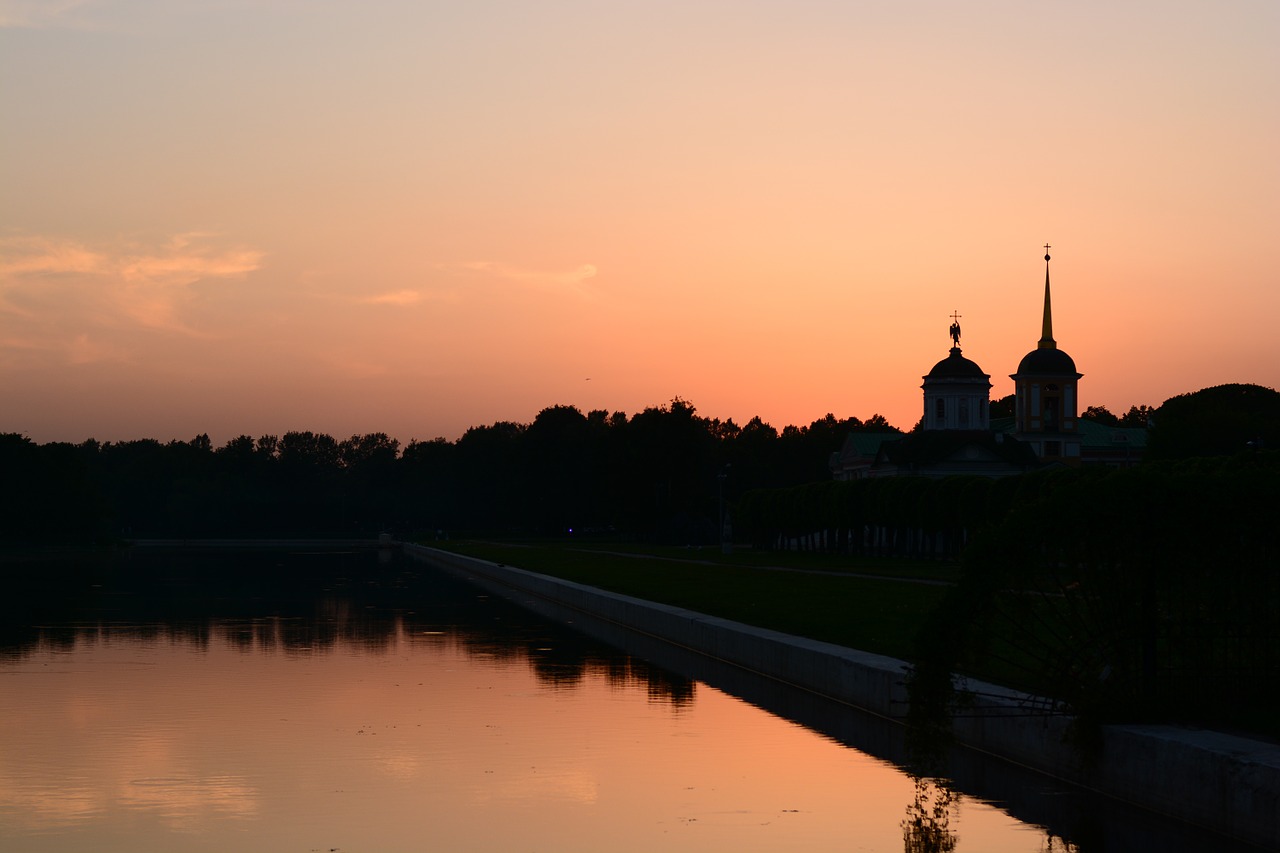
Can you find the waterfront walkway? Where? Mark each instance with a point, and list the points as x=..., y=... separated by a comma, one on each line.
x=1223, y=782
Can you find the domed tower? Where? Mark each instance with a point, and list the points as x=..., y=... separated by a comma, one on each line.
x=1046, y=390
x=957, y=393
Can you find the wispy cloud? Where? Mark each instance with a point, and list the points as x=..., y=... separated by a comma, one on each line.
x=61, y=288
x=154, y=286
x=34, y=255
x=185, y=261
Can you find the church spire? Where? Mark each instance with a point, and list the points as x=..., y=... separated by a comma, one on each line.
x=1046, y=328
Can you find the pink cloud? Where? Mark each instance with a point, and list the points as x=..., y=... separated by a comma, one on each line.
x=149, y=287
x=67, y=302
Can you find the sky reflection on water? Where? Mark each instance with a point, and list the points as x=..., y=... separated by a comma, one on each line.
x=127, y=741
x=418, y=714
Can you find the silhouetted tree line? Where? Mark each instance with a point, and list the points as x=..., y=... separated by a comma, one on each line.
x=660, y=473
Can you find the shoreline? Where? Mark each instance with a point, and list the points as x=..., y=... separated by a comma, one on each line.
x=1225, y=783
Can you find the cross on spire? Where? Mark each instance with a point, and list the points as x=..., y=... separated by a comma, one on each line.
x=1046, y=326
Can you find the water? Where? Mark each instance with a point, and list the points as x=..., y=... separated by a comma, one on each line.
x=329, y=702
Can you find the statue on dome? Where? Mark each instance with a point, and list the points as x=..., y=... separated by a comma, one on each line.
x=955, y=330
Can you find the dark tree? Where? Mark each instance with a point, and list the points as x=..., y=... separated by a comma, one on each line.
x=493, y=485
x=670, y=467
x=49, y=494
x=1005, y=407
x=875, y=423
x=429, y=487
x=753, y=457
x=376, y=449
x=1101, y=415
x=561, y=462
x=1136, y=417
x=1220, y=421
x=309, y=451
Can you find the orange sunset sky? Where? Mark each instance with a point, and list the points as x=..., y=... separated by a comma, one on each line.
x=255, y=216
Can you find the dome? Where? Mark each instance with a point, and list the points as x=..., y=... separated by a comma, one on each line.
x=1047, y=361
x=956, y=366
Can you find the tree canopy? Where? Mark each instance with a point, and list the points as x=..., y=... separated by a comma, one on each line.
x=1219, y=421
x=662, y=472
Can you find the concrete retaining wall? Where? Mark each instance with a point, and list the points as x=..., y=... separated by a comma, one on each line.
x=1228, y=784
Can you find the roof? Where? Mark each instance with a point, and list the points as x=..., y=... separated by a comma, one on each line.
x=956, y=365
x=1047, y=361
x=929, y=447
x=1094, y=435
x=858, y=452
x=866, y=443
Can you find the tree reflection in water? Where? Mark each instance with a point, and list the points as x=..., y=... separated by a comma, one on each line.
x=927, y=826
x=303, y=604
x=1054, y=844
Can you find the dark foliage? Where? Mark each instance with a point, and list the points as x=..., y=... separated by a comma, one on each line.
x=1005, y=407
x=1101, y=415
x=1220, y=421
x=663, y=473
x=1143, y=594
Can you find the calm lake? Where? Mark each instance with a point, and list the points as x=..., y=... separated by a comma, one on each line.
x=344, y=702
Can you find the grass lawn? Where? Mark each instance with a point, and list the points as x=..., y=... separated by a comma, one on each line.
x=864, y=604
x=821, y=598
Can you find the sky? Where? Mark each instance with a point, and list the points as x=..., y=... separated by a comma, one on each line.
x=255, y=216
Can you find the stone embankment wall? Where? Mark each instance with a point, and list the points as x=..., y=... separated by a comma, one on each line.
x=1225, y=783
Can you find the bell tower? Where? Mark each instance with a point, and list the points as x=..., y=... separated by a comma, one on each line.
x=1046, y=388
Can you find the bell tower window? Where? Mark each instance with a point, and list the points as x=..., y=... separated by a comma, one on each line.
x=1051, y=414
